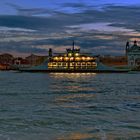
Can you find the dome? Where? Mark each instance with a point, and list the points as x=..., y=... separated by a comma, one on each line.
x=135, y=47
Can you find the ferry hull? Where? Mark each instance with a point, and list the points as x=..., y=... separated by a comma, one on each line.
x=76, y=71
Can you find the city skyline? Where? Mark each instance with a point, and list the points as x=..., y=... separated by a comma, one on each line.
x=100, y=27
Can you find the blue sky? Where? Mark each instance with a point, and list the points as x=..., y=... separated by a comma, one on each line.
x=98, y=26
x=6, y=9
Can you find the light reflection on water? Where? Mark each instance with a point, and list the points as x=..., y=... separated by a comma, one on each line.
x=64, y=106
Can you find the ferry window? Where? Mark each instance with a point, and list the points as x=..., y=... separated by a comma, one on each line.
x=71, y=58
x=66, y=58
x=88, y=58
x=55, y=58
x=83, y=58
x=60, y=58
x=76, y=54
x=70, y=54
x=78, y=59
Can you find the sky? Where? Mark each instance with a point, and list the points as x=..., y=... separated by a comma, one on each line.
x=97, y=26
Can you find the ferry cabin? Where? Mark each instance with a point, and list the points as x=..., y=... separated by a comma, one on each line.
x=72, y=60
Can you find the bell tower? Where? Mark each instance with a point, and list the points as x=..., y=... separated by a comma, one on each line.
x=135, y=43
x=50, y=52
x=127, y=47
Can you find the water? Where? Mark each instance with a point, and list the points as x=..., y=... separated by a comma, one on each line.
x=37, y=106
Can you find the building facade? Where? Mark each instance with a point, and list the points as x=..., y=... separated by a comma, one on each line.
x=133, y=55
x=34, y=60
x=6, y=59
x=114, y=60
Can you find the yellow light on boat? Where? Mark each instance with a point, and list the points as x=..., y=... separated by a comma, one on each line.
x=77, y=58
x=70, y=54
x=76, y=54
x=60, y=58
x=55, y=58
x=71, y=59
x=88, y=58
x=83, y=58
x=50, y=64
x=66, y=58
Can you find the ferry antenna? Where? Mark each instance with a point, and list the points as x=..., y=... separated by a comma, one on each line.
x=73, y=44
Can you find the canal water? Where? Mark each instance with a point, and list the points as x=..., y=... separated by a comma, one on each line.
x=60, y=106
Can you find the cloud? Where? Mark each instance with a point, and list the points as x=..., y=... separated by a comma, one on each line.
x=34, y=11
x=91, y=28
x=33, y=23
x=15, y=6
x=2, y=28
x=101, y=27
x=30, y=11
x=21, y=48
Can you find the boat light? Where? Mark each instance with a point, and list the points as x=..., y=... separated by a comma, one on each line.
x=66, y=58
x=70, y=54
x=78, y=58
x=55, y=58
x=88, y=58
x=71, y=58
x=76, y=54
x=83, y=58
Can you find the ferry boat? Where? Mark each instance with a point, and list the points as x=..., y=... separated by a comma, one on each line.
x=71, y=61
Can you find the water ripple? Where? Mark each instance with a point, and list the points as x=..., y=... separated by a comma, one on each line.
x=64, y=106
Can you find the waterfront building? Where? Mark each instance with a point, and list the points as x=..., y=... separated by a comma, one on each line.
x=34, y=60
x=71, y=60
x=6, y=59
x=4, y=67
x=133, y=55
x=20, y=61
x=113, y=60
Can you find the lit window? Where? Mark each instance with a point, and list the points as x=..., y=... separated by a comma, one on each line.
x=77, y=59
x=60, y=58
x=79, y=63
x=71, y=59
x=66, y=58
x=83, y=63
x=71, y=64
x=76, y=54
x=50, y=64
x=55, y=58
x=70, y=54
x=55, y=64
x=88, y=58
x=89, y=63
x=83, y=58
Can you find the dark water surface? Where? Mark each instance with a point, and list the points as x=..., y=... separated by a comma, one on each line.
x=37, y=106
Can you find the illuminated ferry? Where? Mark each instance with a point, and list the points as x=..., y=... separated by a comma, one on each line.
x=71, y=60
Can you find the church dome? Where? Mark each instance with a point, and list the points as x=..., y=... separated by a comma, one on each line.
x=135, y=47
